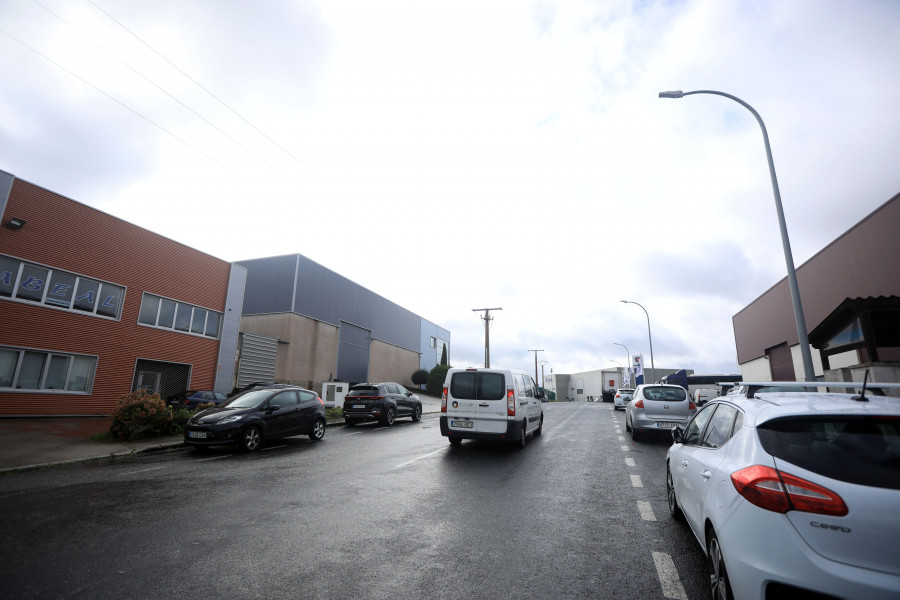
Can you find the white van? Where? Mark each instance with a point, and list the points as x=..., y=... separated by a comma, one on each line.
x=490, y=404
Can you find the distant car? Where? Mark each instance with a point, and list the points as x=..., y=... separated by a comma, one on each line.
x=258, y=415
x=657, y=407
x=193, y=398
x=792, y=495
x=383, y=402
x=622, y=398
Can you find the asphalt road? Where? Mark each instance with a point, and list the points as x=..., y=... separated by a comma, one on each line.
x=369, y=512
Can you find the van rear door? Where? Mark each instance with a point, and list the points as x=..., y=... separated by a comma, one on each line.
x=477, y=401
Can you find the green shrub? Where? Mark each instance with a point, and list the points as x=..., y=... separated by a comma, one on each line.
x=420, y=377
x=139, y=413
x=435, y=384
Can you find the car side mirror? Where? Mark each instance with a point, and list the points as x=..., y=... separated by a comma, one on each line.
x=678, y=435
x=273, y=407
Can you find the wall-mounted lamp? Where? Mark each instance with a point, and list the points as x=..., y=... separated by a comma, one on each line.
x=15, y=223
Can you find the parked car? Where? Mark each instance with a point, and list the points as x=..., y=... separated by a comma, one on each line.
x=258, y=415
x=704, y=395
x=622, y=398
x=382, y=402
x=657, y=407
x=792, y=495
x=490, y=404
x=193, y=398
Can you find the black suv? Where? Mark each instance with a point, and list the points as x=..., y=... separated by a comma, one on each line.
x=380, y=402
x=256, y=415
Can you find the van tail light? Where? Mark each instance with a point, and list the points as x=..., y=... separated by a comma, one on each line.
x=444, y=400
x=780, y=492
x=510, y=402
x=638, y=404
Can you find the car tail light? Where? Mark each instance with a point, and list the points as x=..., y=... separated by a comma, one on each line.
x=319, y=398
x=638, y=404
x=510, y=402
x=444, y=400
x=692, y=406
x=780, y=492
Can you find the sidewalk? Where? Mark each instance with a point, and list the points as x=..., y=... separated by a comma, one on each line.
x=27, y=443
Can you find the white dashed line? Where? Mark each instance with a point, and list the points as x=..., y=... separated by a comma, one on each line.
x=418, y=458
x=629, y=461
x=626, y=448
x=668, y=577
x=646, y=511
x=621, y=438
x=636, y=481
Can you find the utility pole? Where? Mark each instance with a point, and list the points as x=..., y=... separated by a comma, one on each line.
x=487, y=336
x=535, y=363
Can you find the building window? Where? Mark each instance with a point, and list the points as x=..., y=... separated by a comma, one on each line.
x=40, y=371
x=35, y=284
x=168, y=314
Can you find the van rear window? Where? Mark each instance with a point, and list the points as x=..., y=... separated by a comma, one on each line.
x=475, y=385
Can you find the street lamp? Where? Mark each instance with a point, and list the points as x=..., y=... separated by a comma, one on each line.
x=802, y=336
x=652, y=364
x=627, y=353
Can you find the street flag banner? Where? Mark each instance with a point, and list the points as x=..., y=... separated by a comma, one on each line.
x=639, y=369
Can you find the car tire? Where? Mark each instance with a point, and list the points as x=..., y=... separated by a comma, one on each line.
x=718, y=574
x=520, y=443
x=417, y=413
x=251, y=439
x=455, y=441
x=318, y=430
x=627, y=424
x=635, y=435
x=540, y=428
x=671, y=500
x=389, y=416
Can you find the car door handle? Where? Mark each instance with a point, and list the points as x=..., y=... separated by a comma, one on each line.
x=484, y=405
x=706, y=474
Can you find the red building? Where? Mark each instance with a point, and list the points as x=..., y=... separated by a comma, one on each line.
x=92, y=307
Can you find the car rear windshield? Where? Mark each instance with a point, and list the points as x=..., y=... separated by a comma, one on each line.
x=667, y=394
x=475, y=385
x=368, y=390
x=854, y=449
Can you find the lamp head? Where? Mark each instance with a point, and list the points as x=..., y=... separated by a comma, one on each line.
x=674, y=94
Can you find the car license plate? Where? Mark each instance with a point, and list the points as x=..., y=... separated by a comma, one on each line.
x=666, y=425
x=197, y=434
x=462, y=424
x=359, y=406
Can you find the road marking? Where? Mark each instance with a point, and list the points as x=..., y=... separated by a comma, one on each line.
x=629, y=461
x=142, y=471
x=668, y=577
x=621, y=438
x=212, y=458
x=418, y=458
x=626, y=448
x=646, y=511
x=636, y=481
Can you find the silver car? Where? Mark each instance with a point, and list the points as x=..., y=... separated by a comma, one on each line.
x=657, y=407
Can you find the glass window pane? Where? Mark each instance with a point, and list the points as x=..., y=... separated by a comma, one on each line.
x=86, y=294
x=199, y=322
x=149, y=308
x=61, y=289
x=30, y=373
x=80, y=377
x=167, y=314
x=183, y=317
x=56, y=372
x=110, y=298
x=9, y=270
x=212, y=324
x=8, y=361
x=32, y=284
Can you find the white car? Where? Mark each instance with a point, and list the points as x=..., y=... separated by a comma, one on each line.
x=622, y=398
x=792, y=494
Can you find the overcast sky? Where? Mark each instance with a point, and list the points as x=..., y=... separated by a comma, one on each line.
x=475, y=153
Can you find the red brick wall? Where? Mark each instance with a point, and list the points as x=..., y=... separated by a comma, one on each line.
x=64, y=234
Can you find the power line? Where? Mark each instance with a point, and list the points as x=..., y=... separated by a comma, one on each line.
x=114, y=99
x=198, y=84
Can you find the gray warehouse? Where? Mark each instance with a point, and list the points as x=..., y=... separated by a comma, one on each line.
x=305, y=324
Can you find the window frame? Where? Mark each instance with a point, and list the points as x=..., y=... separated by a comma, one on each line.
x=48, y=356
x=180, y=307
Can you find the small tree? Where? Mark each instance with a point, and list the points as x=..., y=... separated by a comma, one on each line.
x=444, y=354
x=420, y=377
x=436, y=378
x=137, y=413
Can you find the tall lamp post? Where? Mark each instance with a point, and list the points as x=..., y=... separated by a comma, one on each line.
x=543, y=382
x=627, y=354
x=802, y=336
x=650, y=337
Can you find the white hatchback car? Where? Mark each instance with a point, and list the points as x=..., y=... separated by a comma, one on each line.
x=792, y=495
x=622, y=398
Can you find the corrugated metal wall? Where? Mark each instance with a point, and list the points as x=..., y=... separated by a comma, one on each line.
x=63, y=234
x=258, y=355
